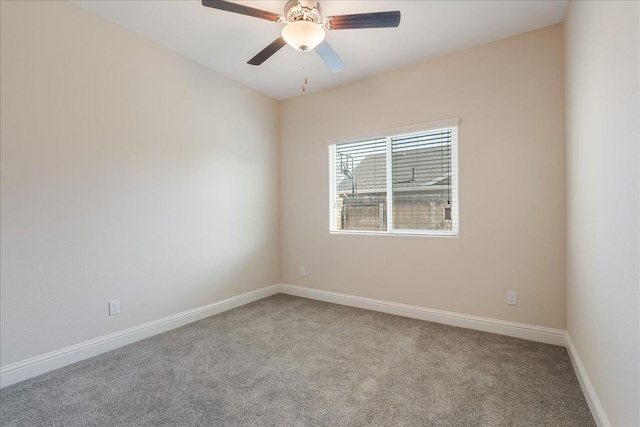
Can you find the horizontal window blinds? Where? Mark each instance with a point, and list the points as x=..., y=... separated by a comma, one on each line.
x=401, y=183
x=361, y=185
x=422, y=184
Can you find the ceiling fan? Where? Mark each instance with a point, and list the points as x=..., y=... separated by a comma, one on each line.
x=305, y=28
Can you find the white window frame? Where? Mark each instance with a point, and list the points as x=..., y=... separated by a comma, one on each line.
x=452, y=124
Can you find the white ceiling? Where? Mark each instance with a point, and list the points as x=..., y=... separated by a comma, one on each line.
x=225, y=41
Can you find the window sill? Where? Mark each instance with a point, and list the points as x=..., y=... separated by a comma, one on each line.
x=398, y=233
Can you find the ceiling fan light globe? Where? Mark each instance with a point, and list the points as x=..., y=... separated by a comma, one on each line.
x=303, y=35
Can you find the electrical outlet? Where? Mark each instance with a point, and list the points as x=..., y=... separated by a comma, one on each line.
x=512, y=298
x=303, y=271
x=114, y=307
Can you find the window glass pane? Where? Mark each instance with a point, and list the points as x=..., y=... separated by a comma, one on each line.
x=361, y=186
x=422, y=184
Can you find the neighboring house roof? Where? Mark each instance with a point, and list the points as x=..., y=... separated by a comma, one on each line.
x=424, y=169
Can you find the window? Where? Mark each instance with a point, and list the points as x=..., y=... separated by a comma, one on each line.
x=405, y=182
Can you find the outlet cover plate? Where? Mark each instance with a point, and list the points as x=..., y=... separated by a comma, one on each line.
x=114, y=307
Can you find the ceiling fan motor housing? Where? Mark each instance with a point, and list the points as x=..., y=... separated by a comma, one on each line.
x=296, y=10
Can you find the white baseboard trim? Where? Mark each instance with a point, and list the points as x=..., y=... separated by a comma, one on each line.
x=502, y=327
x=20, y=371
x=597, y=411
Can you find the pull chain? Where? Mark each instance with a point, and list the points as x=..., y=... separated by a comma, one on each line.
x=304, y=72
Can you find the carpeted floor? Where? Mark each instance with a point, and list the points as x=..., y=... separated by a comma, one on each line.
x=288, y=361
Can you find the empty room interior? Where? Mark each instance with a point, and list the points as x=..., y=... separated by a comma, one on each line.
x=334, y=213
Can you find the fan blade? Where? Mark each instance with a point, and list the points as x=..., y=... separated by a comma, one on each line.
x=365, y=20
x=268, y=51
x=243, y=10
x=330, y=57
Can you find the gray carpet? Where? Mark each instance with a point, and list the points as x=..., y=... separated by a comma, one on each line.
x=287, y=361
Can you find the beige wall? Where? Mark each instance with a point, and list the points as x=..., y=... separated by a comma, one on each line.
x=603, y=199
x=509, y=95
x=128, y=172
